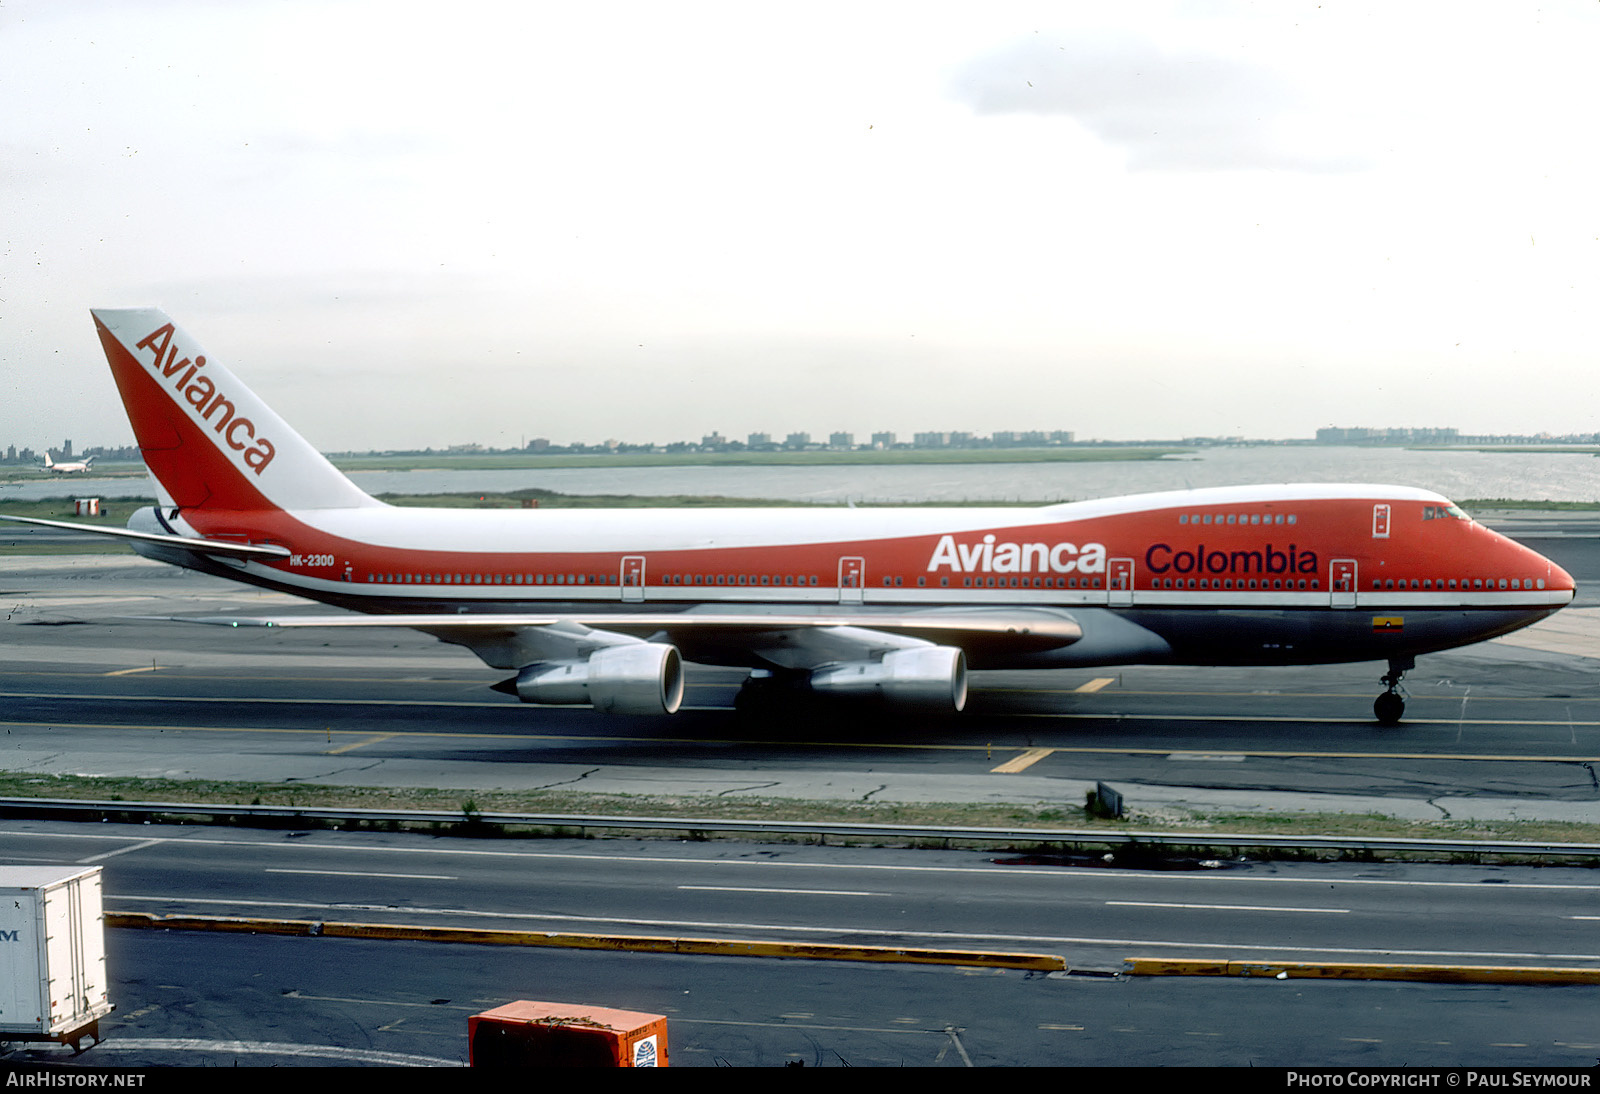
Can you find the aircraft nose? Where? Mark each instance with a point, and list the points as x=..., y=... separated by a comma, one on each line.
x=1559, y=578
x=1555, y=578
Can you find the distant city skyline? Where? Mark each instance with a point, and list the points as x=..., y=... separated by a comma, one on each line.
x=1350, y=436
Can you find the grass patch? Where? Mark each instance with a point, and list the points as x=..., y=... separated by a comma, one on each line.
x=100, y=470
x=1512, y=503
x=1511, y=449
x=1377, y=825
x=551, y=499
x=114, y=512
x=87, y=547
x=572, y=803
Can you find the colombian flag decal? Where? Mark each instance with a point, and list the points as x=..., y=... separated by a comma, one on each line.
x=1383, y=624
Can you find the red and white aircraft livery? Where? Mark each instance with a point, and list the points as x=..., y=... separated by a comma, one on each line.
x=602, y=607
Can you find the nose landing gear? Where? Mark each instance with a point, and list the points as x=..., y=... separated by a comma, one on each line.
x=1389, y=707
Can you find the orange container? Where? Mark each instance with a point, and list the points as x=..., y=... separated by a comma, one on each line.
x=532, y=1034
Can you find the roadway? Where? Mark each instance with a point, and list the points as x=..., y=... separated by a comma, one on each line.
x=200, y=998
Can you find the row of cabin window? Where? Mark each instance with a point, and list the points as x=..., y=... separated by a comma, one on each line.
x=1229, y=583
x=493, y=579
x=739, y=579
x=1466, y=583
x=1010, y=582
x=586, y=579
x=1236, y=518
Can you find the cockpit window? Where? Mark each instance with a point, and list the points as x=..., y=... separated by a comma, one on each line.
x=1441, y=512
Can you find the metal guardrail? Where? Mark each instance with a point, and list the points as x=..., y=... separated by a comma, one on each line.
x=1094, y=837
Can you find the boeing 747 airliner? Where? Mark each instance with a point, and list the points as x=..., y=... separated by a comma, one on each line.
x=603, y=607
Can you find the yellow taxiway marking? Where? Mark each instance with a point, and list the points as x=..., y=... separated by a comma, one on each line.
x=372, y=740
x=1022, y=762
x=1096, y=684
x=128, y=672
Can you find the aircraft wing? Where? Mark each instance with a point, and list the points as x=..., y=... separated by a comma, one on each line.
x=782, y=640
x=188, y=543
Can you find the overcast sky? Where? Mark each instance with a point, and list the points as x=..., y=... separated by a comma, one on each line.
x=413, y=224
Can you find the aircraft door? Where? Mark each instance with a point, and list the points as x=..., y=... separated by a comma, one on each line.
x=633, y=577
x=1380, y=521
x=1342, y=582
x=852, y=576
x=1119, y=582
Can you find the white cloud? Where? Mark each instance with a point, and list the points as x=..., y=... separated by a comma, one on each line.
x=1167, y=110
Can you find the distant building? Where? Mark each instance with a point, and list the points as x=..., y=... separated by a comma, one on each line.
x=1031, y=439
x=760, y=440
x=841, y=440
x=883, y=440
x=797, y=440
x=1363, y=435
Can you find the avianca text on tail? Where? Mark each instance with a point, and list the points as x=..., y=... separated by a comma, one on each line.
x=891, y=606
x=205, y=401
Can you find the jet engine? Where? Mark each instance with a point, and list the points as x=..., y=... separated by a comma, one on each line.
x=635, y=678
x=932, y=678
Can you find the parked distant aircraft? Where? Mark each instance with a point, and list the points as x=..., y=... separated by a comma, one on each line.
x=70, y=468
x=602, y=607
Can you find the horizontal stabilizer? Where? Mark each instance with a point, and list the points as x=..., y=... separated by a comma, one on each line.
x=187, y=543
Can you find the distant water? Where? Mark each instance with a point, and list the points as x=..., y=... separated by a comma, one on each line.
x=1542, y=476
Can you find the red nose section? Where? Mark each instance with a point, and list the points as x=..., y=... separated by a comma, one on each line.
x=1548, y=576
x=1558, y=578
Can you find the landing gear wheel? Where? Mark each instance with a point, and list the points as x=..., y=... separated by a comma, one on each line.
x=1389, y=707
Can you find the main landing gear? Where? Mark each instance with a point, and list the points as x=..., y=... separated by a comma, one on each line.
x=1389, y=707
x=773, y=694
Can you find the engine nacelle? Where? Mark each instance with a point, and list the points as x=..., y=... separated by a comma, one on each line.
x=636, y=678
x=924, y=678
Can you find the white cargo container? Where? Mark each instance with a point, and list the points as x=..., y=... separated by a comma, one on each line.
x=52, y=954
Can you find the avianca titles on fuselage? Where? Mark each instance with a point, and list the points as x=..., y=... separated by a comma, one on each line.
x=600, y=606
